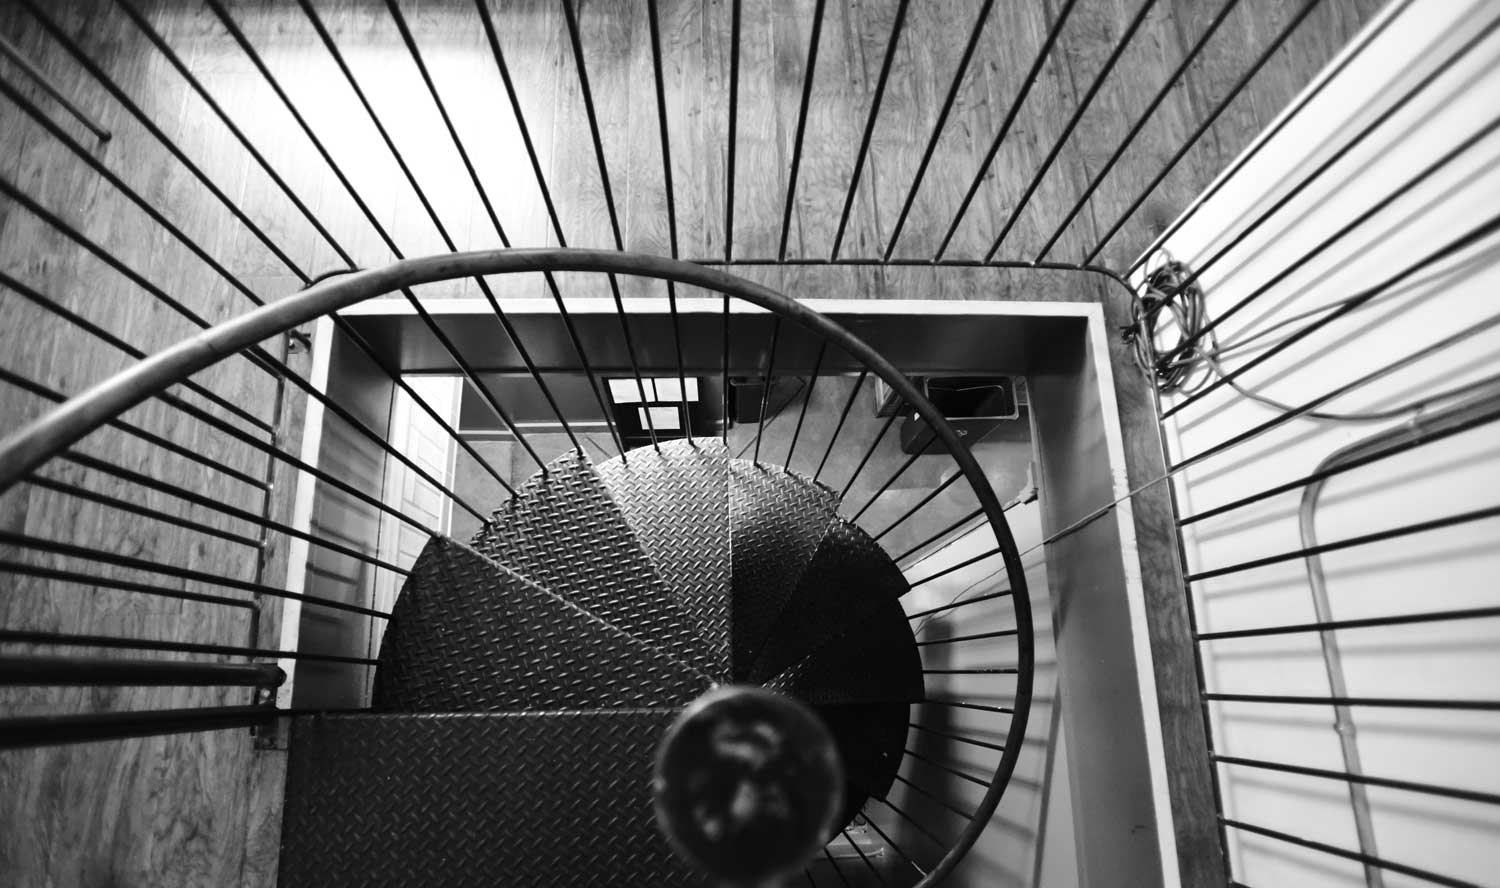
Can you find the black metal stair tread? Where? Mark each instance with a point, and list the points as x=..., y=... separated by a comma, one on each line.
x=871, y=738
x=777, y=521
x=564, y=532
x=467, y=634
x=535, y=799
x=874, y=660
x=676, y=499
x=846, y=579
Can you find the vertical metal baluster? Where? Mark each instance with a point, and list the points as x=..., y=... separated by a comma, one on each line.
x=453, y=352
x=869, y=131
x=910, y=460
x=855, y=845
x=1010, y=118
x=354, y=336
x=576, y=39
x=853, y=393
x=1062, y=138
x=765, y=392
x=807, y=84
x=937, y=128
x=1203, y=126
x=875, y=444
x=493, y=38
x=806, y=400
x=666, y=163
x=463, y=153
x=734, y=121
x=1265, y=138
x=1140, y=123
x=931, y=495
x=724, y=378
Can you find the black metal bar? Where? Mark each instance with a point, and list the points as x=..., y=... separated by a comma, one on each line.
x=937, y=129
x=1187, y=144
x=772, y=415
x=104, y=172
x=1003, y=633
x=1339, y=235
x=411, y=179
x=56, y=730
x=463, y=365
x=724, y=374
x=765, y=392
x=806, y=400
x=255, y=355
x=843, y=415
x=931, y=495
x=937, y=536
x=487, y=20
x=169, y=570
x=1078, y=111
x=956, y=567
x=935, y=799
x=590, y=112
x=176, y=61
x=864, y=140
x=1010, y=118
x=1475, y=613
x=1266, y=137
x=666, y=162
x=926, y=833
x=949, y=736
x=1467, y=795
x=959, y=704
x=1362, y=540
x=79, y=492
x=910, y=460
x=39, y=77
x=1348, y=855
x=151, y=438
x=213, y=505
x=1365, y=132
x=855, y=845
x=1416, y=439
x=68, y=576
x=990, y=596
x=83, y=58
x=807, y=85
x=1469, y=238
x=1384, y=702
x=1140, y=123
x=38, y=671
x=838, y=870
x=734, y=123
x=15, y=636
x=874, y=445
x=892, y=842
x=942, y=767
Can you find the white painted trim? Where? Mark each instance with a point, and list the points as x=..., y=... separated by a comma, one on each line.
x=1135, y=596
x=302, y=506
x=701, y=305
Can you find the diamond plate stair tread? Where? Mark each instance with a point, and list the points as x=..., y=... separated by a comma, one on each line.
x=677, y=501
x=565, y=533
x=777, y=520
x=871, y=738
x=874, y=661
x=847, y=576
x=467, y=635
x=554, y=799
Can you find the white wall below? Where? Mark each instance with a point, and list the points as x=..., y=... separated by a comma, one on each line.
x=1443, y=569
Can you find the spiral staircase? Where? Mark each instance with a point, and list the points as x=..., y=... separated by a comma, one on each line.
x=526, y=679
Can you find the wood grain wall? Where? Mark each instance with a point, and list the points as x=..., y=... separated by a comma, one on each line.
x=202, y=809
